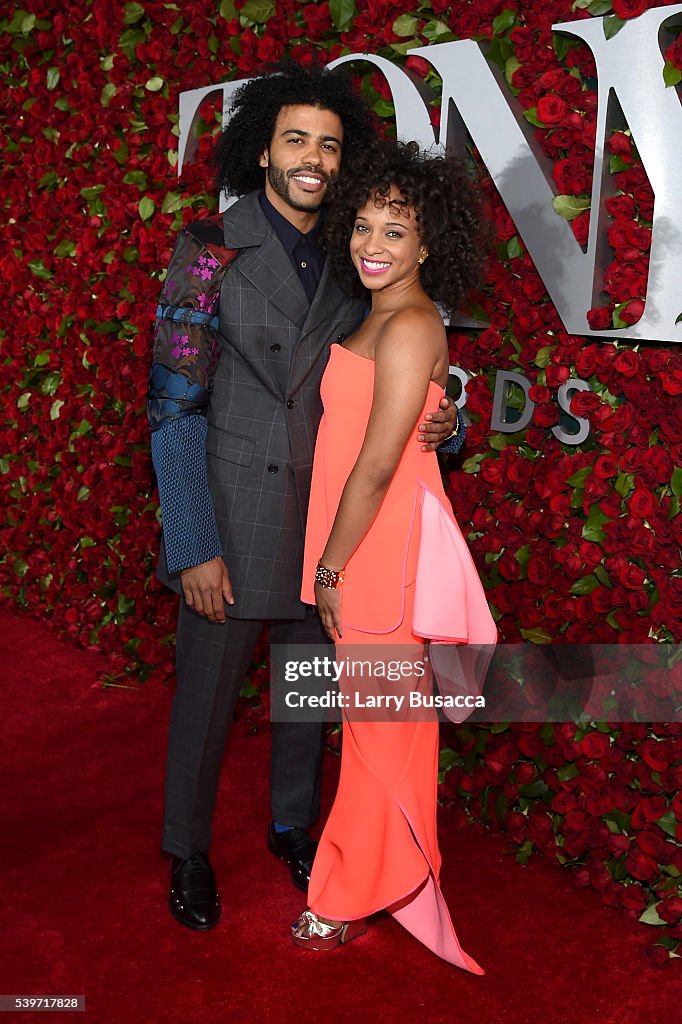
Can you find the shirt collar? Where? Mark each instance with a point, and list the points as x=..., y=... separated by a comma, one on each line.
x=288, y=234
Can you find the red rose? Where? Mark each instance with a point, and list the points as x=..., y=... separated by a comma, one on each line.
x=525, y=773
x=584, y=402
x=420, y=66
x=632, y=313
x=648, y=810
x=642, y=504
x=633, y=897
x=627, y=363
x=629, y=8
x=599, y=319
x=641, y=866
x=594, y=745
x=670, y=909
x=551, y=109
x=619, y=144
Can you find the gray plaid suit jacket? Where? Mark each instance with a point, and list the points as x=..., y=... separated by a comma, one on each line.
x=264, y=410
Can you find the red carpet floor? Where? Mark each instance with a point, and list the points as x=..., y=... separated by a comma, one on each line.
x=82, y=899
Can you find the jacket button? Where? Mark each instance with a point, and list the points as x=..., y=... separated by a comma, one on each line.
x=276, y=347
x=290, y=403
x=272, y=468
x=341, y=337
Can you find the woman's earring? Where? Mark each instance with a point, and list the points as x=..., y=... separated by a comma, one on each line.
x=422, y=258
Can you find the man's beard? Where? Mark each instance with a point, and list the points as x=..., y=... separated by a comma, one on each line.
x=279, y=183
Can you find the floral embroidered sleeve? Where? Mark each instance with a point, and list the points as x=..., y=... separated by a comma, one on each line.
x=185, y=354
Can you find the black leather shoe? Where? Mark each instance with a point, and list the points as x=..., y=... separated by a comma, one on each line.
x=297, y=850
x=193, y=899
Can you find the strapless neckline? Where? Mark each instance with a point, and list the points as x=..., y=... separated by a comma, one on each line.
x=366, y=359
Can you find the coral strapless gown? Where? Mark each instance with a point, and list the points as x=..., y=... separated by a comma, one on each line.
x=411, y=577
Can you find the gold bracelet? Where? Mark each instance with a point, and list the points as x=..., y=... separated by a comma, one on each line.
x=330, y=579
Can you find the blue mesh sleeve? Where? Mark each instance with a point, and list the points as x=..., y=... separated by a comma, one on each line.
x=454, y=444
x=189, y=528
x=185, y=354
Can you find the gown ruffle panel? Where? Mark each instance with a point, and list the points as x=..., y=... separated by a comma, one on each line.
x=411, y=577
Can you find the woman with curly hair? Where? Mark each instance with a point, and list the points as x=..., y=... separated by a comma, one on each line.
x=381, y=539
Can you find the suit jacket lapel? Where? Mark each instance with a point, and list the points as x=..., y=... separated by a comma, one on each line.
x=264, y=263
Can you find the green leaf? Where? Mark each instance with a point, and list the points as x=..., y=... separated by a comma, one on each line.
x=676, y=481
x=55, y=408
x=579, y=477
x=138, y=178
x=38, y=268
x=668, y=823
x=499, y=727
x=570, y=207
x=53, y=76
x=107, y=94
x=132, y=13
x=447, y=757
x=258, y=11
x=67, y=247
x=535, y=636
x=498, y=442
x=227, y=10
x=568, y=772
x=612, y=25
x=42, y=359
x=107, y=63
x=624, y=484
x=525, y=851
x=22, y=23
x=406, y=25
x=522, y=555
x=172, y=202
x=514, y=248
x=617, y=164
x=531, y=115
x=473, y=463
x=511, y=65
x=51, y=382
x=503, y=21
x=84, y=427
x=592, y=530
x=543, y=355
x=562, y=44
x=83, y=493
x=154, y=84
x=384, y=108
x=435, y=30
x=602, y=575
x=23, y=400
x=585, y=585
x=404, y=48
x=650, y=915
x=146, y=207
x=599, y=7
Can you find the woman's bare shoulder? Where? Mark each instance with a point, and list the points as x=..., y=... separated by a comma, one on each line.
x=415, y=327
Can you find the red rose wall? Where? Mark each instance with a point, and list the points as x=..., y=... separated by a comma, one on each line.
x=575, y=545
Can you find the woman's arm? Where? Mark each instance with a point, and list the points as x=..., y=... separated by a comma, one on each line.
x=403, y=369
